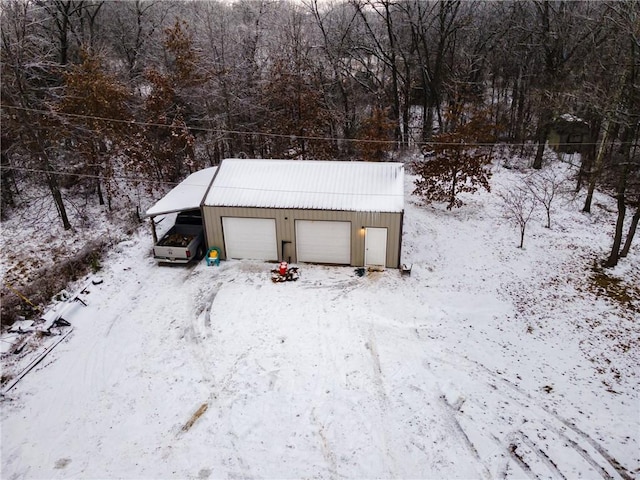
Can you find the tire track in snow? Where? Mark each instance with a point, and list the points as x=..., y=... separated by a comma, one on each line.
x=383, y=398
x=512, y=449
x=451, y=414
x=327, y=452
x=551, y=465
x=201, y=330
x=372, y=347
x=583, y=453
x=198, y=332
x=545, y=417
x=622, y=471
x=520, y=447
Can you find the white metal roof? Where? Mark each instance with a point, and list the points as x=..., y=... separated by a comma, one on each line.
x=187, y=195
x=309, y=184
x=572, y=118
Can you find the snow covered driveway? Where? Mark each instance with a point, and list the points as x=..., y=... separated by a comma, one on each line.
x=457, y=371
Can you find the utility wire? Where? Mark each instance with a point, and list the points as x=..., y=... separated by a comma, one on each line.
x=272, y=135
x=200, y=129
x=86, y=175
x=142, y=180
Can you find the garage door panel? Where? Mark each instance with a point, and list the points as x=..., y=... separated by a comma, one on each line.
x=323, y=242
x=251, y=238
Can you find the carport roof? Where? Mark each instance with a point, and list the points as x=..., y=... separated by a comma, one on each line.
x=187, y=195
x=309, y=184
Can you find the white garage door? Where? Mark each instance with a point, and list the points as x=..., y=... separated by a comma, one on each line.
x=253, y=238
x=323, y=242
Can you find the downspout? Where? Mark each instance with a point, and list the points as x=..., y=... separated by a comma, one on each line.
x=400, y=240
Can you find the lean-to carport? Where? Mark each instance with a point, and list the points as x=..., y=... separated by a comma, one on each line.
x=187, y=195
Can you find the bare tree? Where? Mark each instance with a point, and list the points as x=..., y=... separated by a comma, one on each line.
x=518, y=204
x=29, y=77
x=545, y=186
x=629, y=170
x=619, y=144
x=565, y=31
x=336, y=25
x=633, y=226
x=434, y=28
x=134, y=30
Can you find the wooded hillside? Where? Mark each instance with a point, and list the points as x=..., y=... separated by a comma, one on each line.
x=98, y=96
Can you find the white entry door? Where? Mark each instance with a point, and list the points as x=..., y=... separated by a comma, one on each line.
x=375, y=247
x=253, y=238
x=323, y=242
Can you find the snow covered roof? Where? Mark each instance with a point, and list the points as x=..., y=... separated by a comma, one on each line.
x=187, y=195
x=567, y=117
x=309, y=184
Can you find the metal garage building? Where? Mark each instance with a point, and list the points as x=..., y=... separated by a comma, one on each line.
x=343, y=213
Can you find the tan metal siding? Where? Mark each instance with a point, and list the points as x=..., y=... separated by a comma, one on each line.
x=285, y=228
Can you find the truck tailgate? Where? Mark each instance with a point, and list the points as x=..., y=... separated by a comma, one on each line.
x=171, y=254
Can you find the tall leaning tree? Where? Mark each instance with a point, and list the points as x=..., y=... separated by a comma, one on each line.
x=624, y=119
x=31, y=74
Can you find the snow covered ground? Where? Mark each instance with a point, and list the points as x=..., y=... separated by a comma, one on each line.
x=487, y=361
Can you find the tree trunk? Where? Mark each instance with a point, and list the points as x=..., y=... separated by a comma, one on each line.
x=520, y=111
x=612, y=261
x=597, y=166
x=394, y=76
x=54, y=188
x=587, y=154
x=52, y=183
x=406, y=109
x=52, y=180
x=99, y=189
x=7, y=193
x=631, y=233
x=548, y=218
x=452, y=192
x=607, y=124
x=543, y=133
x=537, y=162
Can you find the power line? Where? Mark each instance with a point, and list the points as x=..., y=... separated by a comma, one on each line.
x=86, y=175
x=142, y=180
x=200, y=129
x=276, y=135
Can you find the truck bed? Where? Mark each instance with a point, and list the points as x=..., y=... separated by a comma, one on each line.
x=176, y=240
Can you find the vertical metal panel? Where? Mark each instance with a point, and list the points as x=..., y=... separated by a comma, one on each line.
x=285, y=229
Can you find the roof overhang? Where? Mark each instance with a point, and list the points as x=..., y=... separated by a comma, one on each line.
x=187, y=195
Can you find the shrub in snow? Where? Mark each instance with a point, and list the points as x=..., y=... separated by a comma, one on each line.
x=459, y=162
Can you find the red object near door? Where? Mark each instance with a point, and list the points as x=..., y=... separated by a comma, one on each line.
x=283, y=268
